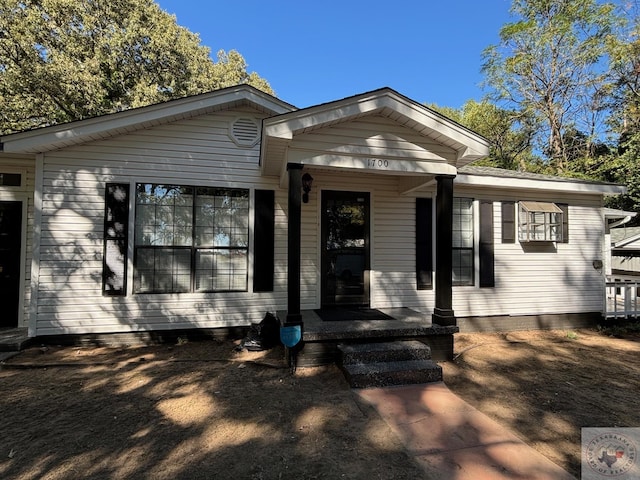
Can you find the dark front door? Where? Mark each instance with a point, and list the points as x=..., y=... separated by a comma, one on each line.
x=345, y=248
x=10, y=227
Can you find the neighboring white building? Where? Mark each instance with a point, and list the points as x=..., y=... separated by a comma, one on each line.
x=188, y=214
x=625, y=253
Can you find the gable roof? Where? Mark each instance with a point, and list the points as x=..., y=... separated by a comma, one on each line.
x=105, y=126
x=279, y=131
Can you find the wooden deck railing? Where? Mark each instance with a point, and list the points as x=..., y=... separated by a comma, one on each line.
x=622, y=299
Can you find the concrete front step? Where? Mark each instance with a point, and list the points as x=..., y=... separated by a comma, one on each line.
x=384, y=352
x=386, y=374
x=388, y=363
x=13, y=339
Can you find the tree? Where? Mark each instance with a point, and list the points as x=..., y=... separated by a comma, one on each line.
x=63, y=60
x=508, y=132
x=625, y=82
x=621, y=165
x=549, y=66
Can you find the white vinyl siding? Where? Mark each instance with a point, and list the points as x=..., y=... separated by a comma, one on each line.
x=197, y=152
x=550, y=278
x=374, y=137
x=529, y=280
x=393, y=259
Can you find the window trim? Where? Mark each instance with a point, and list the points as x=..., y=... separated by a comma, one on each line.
x=528, y=208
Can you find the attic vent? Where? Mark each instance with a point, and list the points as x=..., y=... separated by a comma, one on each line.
x=244, y=132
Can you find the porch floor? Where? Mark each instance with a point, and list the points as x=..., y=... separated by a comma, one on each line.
x=404, y=322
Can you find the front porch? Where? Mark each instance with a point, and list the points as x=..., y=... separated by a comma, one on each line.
x=320, y=338
x=373, y=158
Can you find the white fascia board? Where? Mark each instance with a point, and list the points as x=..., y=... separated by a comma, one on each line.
x=627, y=241
x=622, y=221
x=471, y=144
x=615, y=213
x=50, y=137
x=298, y=121
x=533, y=184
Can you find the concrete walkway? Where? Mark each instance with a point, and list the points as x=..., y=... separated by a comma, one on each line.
x=452, y=440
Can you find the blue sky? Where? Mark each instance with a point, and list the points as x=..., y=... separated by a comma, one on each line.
x=316, y=52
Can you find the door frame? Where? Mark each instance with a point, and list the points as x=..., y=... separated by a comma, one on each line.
x=366, y=295
x=23, y=198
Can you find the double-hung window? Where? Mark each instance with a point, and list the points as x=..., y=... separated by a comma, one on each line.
x=462, y=241
x=190, y=239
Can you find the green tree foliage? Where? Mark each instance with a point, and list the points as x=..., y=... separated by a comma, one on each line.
x=509, y=133
x=548, y=66
x=622, y=163
x=625, y=87
x=625, y=76
x=63, y=60
x=625, y=169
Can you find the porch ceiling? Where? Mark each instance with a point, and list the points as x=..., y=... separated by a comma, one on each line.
x=380, y=132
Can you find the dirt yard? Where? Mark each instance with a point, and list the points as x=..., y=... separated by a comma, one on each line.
x=546, y=385
x=202, y=410
x=197, y=410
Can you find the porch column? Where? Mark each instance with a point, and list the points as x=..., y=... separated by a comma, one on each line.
x=293, y=245
x=443, y=311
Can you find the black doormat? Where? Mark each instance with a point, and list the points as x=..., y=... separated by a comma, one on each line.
x=338, y=314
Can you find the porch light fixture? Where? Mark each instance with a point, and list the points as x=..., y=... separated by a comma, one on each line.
x=307, y=181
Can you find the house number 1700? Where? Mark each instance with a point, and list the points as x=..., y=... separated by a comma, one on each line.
x=373, y=163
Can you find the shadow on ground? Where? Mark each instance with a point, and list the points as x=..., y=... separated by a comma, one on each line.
x=192, y=411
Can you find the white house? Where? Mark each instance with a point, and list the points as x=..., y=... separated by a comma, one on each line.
x=625, y=253
x=191, y=214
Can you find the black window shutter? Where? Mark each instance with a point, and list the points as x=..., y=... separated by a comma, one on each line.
x=424, y=243
x=508, y=222
x=263, y=241
x=116, y=225
x=565, y=221
x=487, y=274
